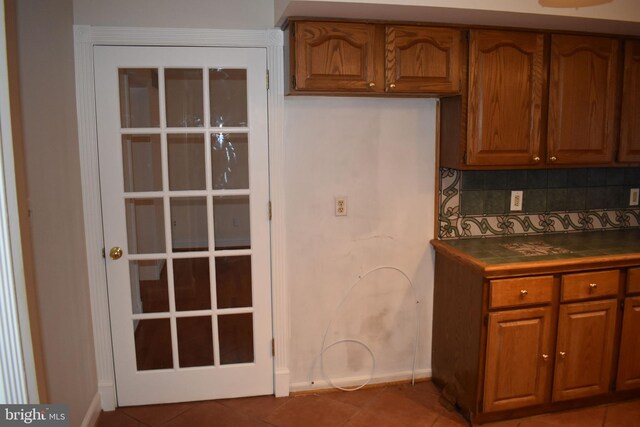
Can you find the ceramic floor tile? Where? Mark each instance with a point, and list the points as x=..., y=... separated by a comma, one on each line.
x=213, y=414
x=506, y=423
x=156, y=415
x=117, y=418
x=590, y=417
x=623, y=414
x=258, y=407
x=392, y=408
x=311, y=411
x=428, y=395
x=449, y=422
x=359, y=398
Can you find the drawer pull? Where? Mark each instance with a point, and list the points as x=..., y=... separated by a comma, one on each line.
x=372, y=84
x=563, y=354
x=592, y=286
x=545, y=357
x=523, y=292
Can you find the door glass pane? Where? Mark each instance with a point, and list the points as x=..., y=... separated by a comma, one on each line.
x=235, y=333
x=189, y=224
x=139, y=98
x=231, y=222
x=153, y=344
x=186, y=162
x=184, y=101
x=149, y=289
x=141, y=163
x=145, y=226
x=230, y=161
x=191, y=284
x=233, y=281
x=228, y=95
x=195, y=341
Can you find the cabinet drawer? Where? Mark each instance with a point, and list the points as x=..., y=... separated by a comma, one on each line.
x=520, y=291
x=633, y=280
x=589, y=285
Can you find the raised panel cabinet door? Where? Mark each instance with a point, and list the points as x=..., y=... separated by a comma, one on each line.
x=582, y=100
x=337, y=56
x=629, y=363
x=584, y=349
x=629, y=123
x=518, y=359
x=422, y=59
x=506, y=82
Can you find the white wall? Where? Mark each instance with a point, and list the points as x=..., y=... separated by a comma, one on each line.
x=47, y=90
x=379, y=153
x=233, y=14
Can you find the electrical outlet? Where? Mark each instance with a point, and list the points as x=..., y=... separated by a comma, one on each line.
x=633, y=197
x=341, y=206
x=516, y=200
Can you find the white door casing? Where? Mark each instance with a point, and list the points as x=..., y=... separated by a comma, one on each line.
x=183, y=383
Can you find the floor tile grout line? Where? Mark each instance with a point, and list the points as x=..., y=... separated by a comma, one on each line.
x=196, y=404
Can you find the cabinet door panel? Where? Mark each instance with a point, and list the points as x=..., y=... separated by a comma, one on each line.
x=584, y=349
x=629, y=123
x=582, y=99
x=422, y=59
x=629, y=364
x=506, y=79
x=337, y=56
x=518, y=366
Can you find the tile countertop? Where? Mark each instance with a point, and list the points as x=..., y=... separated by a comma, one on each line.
x=498, y=256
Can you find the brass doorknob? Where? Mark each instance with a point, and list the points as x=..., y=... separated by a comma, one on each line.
x=115, y=252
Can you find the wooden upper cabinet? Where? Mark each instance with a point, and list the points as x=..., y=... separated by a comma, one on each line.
x=629, y=123
x=584, y=349
x=422, y=59
x=582, y=100
x=337, y=56
x=507, y=77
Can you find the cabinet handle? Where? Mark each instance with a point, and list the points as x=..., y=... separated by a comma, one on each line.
x=536, y=159
x=372, y=84
x=545, y=357
x=563, y=354
x=523, y=292
x=392, y=85
x=592, y=286
x=553, y=158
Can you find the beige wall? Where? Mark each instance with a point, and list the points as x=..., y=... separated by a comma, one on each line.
x=221, y=14
x=46, y=69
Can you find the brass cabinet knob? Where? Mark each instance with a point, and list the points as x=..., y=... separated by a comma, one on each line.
x=545, y=357
x=115, y=252
x=523, y=292
x=563, y=354
x=372, y=84
x=553, y=158
x=536, y=159
x=592, y=286
x=392, y=85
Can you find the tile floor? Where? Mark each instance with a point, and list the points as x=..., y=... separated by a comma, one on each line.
x=390, y=406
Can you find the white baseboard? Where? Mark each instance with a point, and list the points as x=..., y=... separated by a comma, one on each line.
x=359, y=380
x=93, y=412
x=107, y=392
x=281, y=383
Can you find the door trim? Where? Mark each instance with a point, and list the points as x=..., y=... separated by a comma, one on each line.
x=85, y=38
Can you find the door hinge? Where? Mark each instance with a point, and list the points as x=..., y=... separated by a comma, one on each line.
x=104, y=255
x=273, y=347
x=293, y=82
x=267, y=79
x=270, y=211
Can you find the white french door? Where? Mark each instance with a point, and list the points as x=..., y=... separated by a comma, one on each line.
x=183, y=155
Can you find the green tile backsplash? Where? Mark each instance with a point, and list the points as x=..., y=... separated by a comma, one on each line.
x=477, y=203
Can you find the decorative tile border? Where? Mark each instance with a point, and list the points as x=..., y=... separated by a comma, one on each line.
x=454, y=225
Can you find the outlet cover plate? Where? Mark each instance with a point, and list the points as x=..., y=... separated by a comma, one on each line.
x=516, y=200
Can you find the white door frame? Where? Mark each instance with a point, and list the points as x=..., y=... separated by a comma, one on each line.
x=85, y=38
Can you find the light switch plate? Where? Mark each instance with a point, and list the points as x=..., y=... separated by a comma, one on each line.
x=633, y=197
x=516, y=200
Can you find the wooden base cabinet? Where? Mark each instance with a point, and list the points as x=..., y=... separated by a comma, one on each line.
x=584, y=349
x=629, y=365
x=518, y=368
